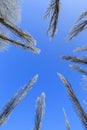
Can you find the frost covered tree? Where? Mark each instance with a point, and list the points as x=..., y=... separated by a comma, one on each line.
x=82, y=115
x=53, y=13
x=10, y=16
x=79, y=26
x=40, y=108
x=78, y=65
x=15, y=100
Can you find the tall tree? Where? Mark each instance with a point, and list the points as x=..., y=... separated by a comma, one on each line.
x=80, y=25
x=15, y=100
x=40, y=107
x=53, y=13
x=9, y=18
x=76, y=104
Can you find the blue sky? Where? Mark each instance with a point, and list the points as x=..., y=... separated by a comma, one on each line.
x=17, y=67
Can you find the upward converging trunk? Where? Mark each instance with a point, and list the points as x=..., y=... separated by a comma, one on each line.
x=78, y=108
x=53, y=13
x=80, y=25
x=9, y=17
x=10, y=105
x=40, y=107
x=18, y=31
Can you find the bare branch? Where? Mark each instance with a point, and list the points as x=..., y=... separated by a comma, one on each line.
x=10, y=105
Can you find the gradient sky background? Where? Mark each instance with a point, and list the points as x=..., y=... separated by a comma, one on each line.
x=17, y=67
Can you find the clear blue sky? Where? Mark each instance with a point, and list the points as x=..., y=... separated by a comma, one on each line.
x=17, y=67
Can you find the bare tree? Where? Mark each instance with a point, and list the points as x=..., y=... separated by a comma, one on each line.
x=75, y=59
x=53, y=13
x=80, y=26
x=9, y=18
x=76, y=104
x=14, y=101
x=40, y=107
